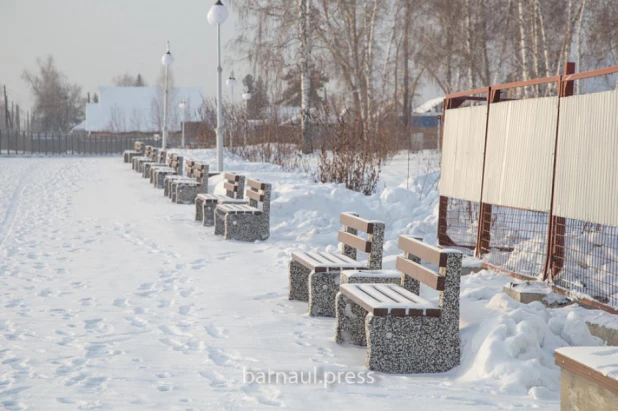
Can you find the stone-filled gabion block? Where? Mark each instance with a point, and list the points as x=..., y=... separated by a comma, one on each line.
x=135, y=161
x=186, y=191
x=129, y=154
x=149, y=166
x=350, y=327
x=141, y=163
x=246, y=227
x=298, y=281
x=370, y=277
x=323, y=288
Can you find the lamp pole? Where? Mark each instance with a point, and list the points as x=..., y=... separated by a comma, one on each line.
x=231, y=82
x=246, y=96
x=217, y=15
x=184, y=120
x=167, y=61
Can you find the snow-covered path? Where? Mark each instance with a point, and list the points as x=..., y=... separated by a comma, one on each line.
x=111, y=297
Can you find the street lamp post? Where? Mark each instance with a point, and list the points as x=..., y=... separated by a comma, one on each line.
x=246, y=96
x=217, y=15
x=231, y=83
x=182, y=106
x=167, y=61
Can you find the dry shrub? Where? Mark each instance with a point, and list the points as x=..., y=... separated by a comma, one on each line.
x=351, y=153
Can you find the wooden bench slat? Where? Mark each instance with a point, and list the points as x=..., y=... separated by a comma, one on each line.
x=358, y=223
x=230, y=187
x=324, y=262
x=420, y=273
x=255, y=196
x=422, y=250
x=354, y=241
x=385, y=299
x=257, y=184
x=231, y=176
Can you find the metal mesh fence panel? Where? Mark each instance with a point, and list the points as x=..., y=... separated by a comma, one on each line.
x=515, y=240
x=458, y=224
x=585, y=259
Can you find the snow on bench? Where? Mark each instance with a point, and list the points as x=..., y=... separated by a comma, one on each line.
x=588, y=378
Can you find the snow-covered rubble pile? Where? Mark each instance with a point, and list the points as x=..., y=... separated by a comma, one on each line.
x=513, y=343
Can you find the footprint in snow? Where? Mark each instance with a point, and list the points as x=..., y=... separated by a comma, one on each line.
x=215, y=332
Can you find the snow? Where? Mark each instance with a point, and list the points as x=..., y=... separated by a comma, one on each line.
x=600, y=359
x=114, y=298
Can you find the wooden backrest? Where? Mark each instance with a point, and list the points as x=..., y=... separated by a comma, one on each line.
x=259, y=193
x=234, y=185
x=198, y=171
x=446, y=279
x=351, y=242
x=138, y=146
x=176, y=162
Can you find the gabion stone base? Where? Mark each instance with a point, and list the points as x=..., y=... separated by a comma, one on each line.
x=199, y=209
x=135, y=161
x=167, y=184
x=323, y=288
x=371, y=277
x=129, y=154
x=159, y=177
x=246, y=227
x=410, y=345
x=185, y=192
x=299, y=282
x=149, y=166
x=141, y=164
x=219, y=222
x=350, y=322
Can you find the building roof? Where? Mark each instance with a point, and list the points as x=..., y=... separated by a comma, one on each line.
x=140, y=109
x=429, y=106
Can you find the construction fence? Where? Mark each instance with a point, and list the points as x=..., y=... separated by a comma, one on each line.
x=530, y=185
x=23, y=143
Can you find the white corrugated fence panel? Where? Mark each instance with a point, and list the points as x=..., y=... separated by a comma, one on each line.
x=587, y=160
x=519, y=165
x=462, y=153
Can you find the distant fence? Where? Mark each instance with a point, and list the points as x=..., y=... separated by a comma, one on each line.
x=22, y=143
x=531, y=186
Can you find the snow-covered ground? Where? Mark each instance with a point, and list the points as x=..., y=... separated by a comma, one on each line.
x=111, y=297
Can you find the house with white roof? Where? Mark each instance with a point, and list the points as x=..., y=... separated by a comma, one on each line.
x=139, y=110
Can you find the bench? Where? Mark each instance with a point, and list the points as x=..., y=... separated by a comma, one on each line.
x=205, y=204
x=158, y=161
x=314, y=276
x=588, y=378
x=404, y=333
x=173, y=166
x=183, y=190
x=246, y=222
x=149, y=156
x=128, y=155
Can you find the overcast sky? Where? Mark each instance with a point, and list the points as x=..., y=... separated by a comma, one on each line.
x=95, y=40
